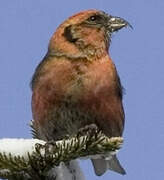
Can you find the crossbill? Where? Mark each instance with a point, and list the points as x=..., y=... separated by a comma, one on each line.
x=77, y=84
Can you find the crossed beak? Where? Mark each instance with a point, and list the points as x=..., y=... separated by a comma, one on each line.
x=117, y=23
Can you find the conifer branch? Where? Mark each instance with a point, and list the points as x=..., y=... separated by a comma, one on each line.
x=38, y=163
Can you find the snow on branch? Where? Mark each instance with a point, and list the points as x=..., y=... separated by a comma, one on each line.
x=35, y=159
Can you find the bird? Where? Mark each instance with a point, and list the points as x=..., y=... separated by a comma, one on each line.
x=77, y=84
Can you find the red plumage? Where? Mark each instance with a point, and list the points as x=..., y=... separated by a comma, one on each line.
x=77, y=84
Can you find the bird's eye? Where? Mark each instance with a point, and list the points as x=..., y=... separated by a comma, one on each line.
x=92, y=18
x=95, y=18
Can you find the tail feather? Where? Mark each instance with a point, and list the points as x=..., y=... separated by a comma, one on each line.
x=102, y=165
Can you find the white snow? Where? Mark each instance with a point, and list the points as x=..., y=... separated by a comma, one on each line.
x=70, y=171
x=18, y=146
x=22, y=147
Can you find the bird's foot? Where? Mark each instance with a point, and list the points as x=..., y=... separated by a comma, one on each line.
x=91, y=128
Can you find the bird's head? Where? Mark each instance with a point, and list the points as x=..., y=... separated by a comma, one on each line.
x=86, y=34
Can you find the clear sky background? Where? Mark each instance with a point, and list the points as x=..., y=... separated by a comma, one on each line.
x=25, y=30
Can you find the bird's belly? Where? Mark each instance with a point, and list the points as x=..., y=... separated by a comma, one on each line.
x=64, y=105
x=65, y=121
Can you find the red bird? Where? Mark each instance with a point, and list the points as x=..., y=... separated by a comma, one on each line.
x=76, y=84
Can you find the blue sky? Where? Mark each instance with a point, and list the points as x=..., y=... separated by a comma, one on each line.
x=25, y=30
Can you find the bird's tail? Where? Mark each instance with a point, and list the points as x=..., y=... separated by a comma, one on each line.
x=102, y=165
